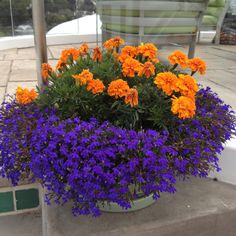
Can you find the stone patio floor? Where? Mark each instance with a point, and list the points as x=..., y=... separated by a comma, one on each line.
x=18, y=67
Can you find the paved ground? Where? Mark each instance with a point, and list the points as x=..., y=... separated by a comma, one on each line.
x=18, y=67
x=201, y=207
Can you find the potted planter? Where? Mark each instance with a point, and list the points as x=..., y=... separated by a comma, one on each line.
x=113, y=128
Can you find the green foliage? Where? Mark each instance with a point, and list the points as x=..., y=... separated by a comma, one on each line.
x=153, y=110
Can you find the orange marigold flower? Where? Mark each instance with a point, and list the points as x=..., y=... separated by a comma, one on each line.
x=83, y=49
x=197, y=64
x=127, y=51
x=66, y=53
x=147, y=69
x=97, y=54
x=96, y=86
x=167, y=81
x=60, y=64
x=113, y=43
x=131, y=97
x=183, y=106
x=155, y=60
x=147, y=50
x=117, y=41
x=83, y=78
x=187, y=85
x=46, y=70
x=25, y=96
x=118, y=88
x=178, y=57
x=130, y=67
x=109, y=45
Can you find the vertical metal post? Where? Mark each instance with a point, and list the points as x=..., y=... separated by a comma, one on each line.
x=39, y=36
x=12, y=21
x=39, y=25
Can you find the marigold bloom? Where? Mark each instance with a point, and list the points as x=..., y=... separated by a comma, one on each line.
x=113, y=43
x=127, y=51
x=97, y=54
x=187, y=85
x=83, y=78
x=167, y=81
x=178, y=57
x=155, y=60
x=25, y=96
x=83, y=49
x=66, y=53
x=147, y=50
x=130, y=67
x=147, y=69
x=131, y=97
x=183, y=106
x=60, y=64
x=46, y=70
x=117, y=41
x=96, y=86
x=118, y=88
x=197, y=64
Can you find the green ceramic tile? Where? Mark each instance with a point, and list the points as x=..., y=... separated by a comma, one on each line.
x=6, y=202
x=27, y=198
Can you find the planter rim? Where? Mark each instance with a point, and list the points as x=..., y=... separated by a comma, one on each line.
x=136, y=205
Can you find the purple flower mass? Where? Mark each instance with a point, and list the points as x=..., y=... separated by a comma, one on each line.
x=88, y=162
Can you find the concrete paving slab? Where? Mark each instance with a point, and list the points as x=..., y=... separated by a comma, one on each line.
x=27, y=224
x=23, y=75
x=2, y=94
x=24, y=64
x=5, y=67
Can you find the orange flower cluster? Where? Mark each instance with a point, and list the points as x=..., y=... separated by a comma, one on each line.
x=95, y=86
x=178, y=58
x=113, y=43
x=127, y=51
x=83, y=78
x=147, y=50
x=118, y=88
x=187, y=86
x=130, y=67
x=25, y=96
x=131, y=97
x=167, y=81
x=83, y=49
x=197, y=64
x=71, y=52
x=46, y=70
x=97, y=54
x=183, y=106
x=147, y=69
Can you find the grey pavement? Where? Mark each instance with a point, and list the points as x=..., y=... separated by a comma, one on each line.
x=201, y=207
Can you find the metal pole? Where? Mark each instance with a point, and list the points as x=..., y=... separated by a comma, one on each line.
x=39, y=36
x=41, y=57
x=12, y=21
